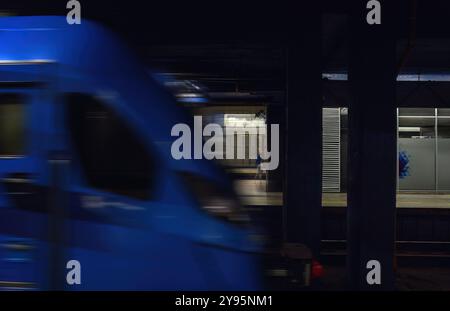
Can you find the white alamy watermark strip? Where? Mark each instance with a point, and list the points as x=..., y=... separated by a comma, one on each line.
x=213, y=146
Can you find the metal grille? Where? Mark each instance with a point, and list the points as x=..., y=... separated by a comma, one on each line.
x=331, y=159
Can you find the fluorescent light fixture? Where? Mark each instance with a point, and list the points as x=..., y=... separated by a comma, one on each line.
x=401, y=77
x=408, y=129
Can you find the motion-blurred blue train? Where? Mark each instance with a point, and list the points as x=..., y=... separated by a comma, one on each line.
x=86, y=173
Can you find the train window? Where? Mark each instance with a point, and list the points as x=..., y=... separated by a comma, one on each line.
x=111, y=154
x=12, y=125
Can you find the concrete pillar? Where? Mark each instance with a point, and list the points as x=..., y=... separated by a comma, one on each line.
x=303, y=171
x=276, y=115
x=372, y=147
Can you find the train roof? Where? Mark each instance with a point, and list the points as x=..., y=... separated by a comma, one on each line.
x=87, y=46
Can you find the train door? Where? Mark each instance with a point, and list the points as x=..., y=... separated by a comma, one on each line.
x=26, y=246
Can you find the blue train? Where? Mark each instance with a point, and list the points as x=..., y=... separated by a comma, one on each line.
x=86, y=173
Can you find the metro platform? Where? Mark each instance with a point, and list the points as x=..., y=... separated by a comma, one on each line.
x=423, y=219
x=252, y=193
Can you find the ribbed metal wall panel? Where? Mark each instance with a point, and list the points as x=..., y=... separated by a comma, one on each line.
x=331, y=165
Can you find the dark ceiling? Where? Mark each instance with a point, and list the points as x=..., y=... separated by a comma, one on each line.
x=233, y=45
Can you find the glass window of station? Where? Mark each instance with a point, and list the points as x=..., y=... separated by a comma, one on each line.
x=423, y=150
